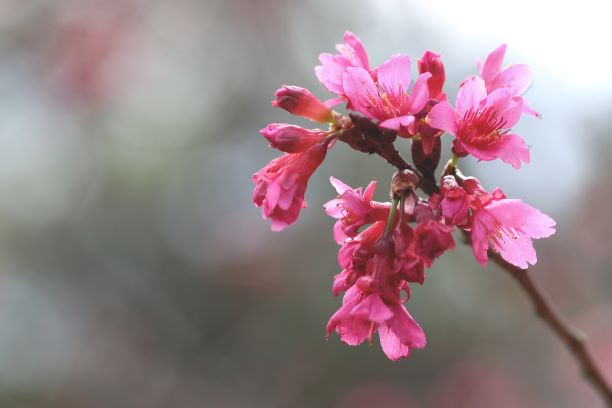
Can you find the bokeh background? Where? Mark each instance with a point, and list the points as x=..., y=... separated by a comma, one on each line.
x=135, y=271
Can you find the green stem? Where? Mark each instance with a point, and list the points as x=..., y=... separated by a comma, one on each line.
x=391, y=218
x=454, y=161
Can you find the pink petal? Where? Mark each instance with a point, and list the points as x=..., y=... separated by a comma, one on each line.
x=538, y=224
x=529, y=110
x=493, y=63
x=360, y=53
x=517, y=78
x=406, y=328
x=394, y=76
x=518, y=251
x=354, y=332
x=372, y=308
x=278, y=225
x=330, y=103
x=368, y=194
x=442, y=116
x=339, y=235
x=480, y=239
x=339, y=185
x=420, y=93
x=391, y=344
x=510, y=149
x=361, y=91
x=330, y=73
x=333, y=208
x=397, y=123
x=470, y=94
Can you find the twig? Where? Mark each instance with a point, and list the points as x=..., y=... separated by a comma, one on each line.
x=574, y=340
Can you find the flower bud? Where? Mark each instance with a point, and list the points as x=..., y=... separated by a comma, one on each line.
x=301, y=102
x=291, y=138
x=402, y=182
x=431, y=62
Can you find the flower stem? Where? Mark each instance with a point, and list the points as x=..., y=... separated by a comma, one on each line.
x=391, y=218
x=572, y=338
x=454, y=160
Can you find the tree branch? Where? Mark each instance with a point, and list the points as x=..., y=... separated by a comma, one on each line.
x=574, y=340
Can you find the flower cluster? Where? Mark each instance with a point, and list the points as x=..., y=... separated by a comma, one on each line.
x=385, y=247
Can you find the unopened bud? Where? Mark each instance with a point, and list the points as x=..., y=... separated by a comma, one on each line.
x=301, y=102
x=403, y=181
x=431, y=62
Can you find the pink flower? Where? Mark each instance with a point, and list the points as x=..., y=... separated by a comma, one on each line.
x=452, y=203
x=354, y=209
x=481, y=123
x=387, y=100
x=432, y=63
x=411, y=267
x=354, y=256
x=280, y=186
x=431, y=240
x=366, y=311
x=330, y=73
x=291, y=138
x=301, y=102
x=517, y=78
x=505, y=225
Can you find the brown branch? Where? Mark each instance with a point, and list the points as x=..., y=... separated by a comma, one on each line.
x=365, y=136
x=574, y=340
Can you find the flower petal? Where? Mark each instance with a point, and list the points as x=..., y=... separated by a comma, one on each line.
x=516, y=77
x=470, y=94
x=397, y=123
x=361, y=91
x=394, y=76
x=493, y=63
x=510, y=149
x=360, y=54
x=442, y=116
x=391, y=344
x=420, y=93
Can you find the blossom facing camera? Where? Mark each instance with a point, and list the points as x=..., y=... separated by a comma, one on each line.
x=482, y=123
x=353, y=209
x=387, y=100
x=508, y=226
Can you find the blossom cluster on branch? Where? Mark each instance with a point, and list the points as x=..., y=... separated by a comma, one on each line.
x=385, y=247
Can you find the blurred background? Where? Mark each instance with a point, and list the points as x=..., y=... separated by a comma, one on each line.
x=135, y=271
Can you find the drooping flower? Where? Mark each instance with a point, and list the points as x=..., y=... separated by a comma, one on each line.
x=431, y=240
x=301, y=102
x=482, y=122
x=330, y=73
x=387, y=100
x=374, y=304
x=505, y=225
x=292, y=138
x=517, y=78
x=354, y=256
x=354, y=209
x=281, y=184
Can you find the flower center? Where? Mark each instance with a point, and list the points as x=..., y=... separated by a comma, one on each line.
x=482, y=127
